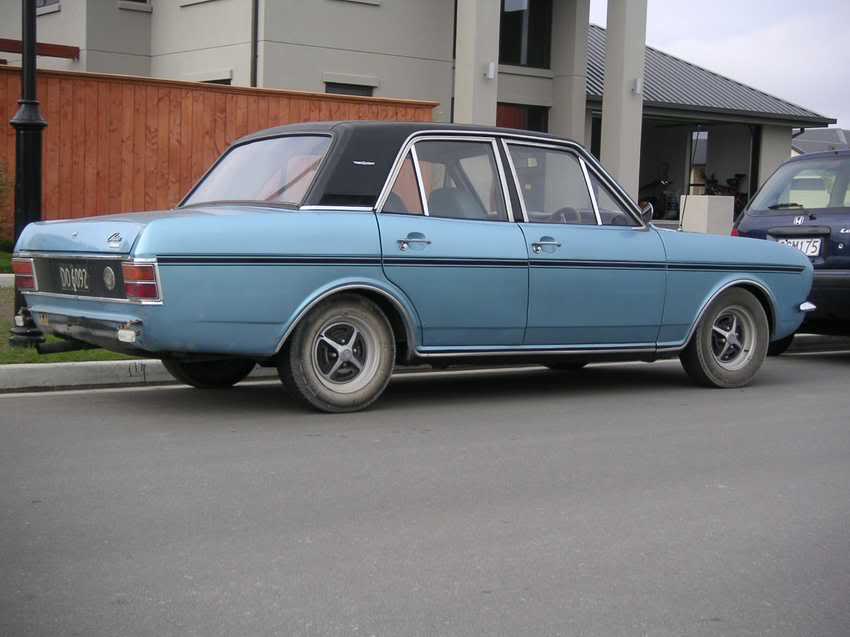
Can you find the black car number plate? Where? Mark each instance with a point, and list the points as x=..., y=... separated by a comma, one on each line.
x=73, y=277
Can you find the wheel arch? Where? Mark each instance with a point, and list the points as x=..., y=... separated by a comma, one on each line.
x=757, y=288
x=398, y=312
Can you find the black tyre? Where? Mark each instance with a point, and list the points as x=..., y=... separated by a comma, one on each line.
x=730, y=342
x=567, y=366
x=340, y=357
x=777, y=348
x=209, y=374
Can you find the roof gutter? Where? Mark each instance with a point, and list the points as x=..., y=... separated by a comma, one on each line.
x=255, y=39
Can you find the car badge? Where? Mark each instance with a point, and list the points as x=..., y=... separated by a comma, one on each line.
x=844, y=231
x=362, y=162
x=114, y=240
x=74, y=235
x=799, y=221
x=109, y=278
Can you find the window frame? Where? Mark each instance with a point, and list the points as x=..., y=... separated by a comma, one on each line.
x=409, y=147
x=586, y=168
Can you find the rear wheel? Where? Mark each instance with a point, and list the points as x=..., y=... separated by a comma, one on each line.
x=209, y=374
x=730, y=341
x=340, y=357
x=777, y=348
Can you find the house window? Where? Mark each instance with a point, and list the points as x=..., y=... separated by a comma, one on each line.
x=340, y=88
x=525, y=33
x=535, y=118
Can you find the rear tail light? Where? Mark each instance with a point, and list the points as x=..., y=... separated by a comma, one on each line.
x=735, y=232
x=24, y=275
x=140, y=282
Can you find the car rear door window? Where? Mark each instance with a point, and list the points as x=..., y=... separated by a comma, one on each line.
x=552, y=185
x=461, y=180
x=404, y=197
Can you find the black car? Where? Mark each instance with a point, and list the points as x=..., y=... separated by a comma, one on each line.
x=806, y=204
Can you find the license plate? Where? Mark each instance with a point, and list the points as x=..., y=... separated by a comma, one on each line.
x=809, y=247
x=73, y=278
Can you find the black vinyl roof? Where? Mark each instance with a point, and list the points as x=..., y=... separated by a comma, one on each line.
x=672, y=83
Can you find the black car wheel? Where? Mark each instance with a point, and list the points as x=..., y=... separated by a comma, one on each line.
x=340, y=357
x=209, y=374
x=730, y=342
x=777, y=348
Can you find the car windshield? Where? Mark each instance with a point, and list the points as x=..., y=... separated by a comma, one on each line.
x=278, y=170
x=809, y=184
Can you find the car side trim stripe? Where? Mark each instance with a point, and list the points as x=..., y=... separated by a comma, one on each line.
x=491, y=263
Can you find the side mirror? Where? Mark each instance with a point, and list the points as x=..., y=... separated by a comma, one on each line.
x=646, y=212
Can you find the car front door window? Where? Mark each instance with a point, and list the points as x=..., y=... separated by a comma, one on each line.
x=552, y=186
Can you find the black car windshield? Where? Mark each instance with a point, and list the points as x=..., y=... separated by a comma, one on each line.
x=809, y=184
x=277, y=170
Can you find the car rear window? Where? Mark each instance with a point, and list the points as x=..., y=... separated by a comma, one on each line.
x=278, y=170
x=812, y=184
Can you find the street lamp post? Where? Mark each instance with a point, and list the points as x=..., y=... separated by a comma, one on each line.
x=28, y=124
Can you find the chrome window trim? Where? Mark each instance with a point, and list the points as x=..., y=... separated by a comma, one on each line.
x=589, y=187
x=123, y=258
x=420, y=183
x=450, y=136
x=309, y=208
x=608, y=182
x=506, y=136
x=507, y=143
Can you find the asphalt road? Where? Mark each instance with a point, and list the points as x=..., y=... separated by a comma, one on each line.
x=617, y=501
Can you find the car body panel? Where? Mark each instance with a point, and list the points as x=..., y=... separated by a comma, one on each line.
x=578, y=289
x=699, y=266
x=469, y=284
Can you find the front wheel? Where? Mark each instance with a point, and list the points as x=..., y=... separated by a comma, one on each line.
x=730, y=342
x=209, y=374
x=340, y=357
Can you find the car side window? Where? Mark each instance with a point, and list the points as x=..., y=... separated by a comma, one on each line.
x=461, y=180
x=611, y=212
x=404, y=197
x=552, y=185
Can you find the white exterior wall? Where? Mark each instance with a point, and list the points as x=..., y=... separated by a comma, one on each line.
x=402, y=48
x=201, y=41
x=775, y=149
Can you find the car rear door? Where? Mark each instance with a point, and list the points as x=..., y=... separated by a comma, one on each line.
x=448, y=243
x=597, y=276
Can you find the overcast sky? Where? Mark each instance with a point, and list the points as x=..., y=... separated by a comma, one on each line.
x=796, y=50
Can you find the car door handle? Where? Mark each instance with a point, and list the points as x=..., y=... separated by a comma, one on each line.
x=537, y=246
x=414, y=238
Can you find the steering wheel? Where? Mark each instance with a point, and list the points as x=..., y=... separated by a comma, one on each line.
x=567, y=215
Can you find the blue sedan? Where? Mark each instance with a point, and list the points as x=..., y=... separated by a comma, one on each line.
x=335, y=251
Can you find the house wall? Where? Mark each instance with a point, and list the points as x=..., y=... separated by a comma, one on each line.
x=775, y=149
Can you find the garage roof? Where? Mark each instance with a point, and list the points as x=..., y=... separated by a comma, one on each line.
x=671, y=83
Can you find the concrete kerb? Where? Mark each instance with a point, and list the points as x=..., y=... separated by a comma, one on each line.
x=7, y=280
x=94, y=374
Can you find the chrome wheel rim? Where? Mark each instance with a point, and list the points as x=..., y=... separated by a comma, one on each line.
x=733, y=337
x=345, y=356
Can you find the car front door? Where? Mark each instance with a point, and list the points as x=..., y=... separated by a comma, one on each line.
x=448, y=243
x=597, y=275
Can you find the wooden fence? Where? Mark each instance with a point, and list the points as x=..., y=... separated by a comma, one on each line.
x=119, y=144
